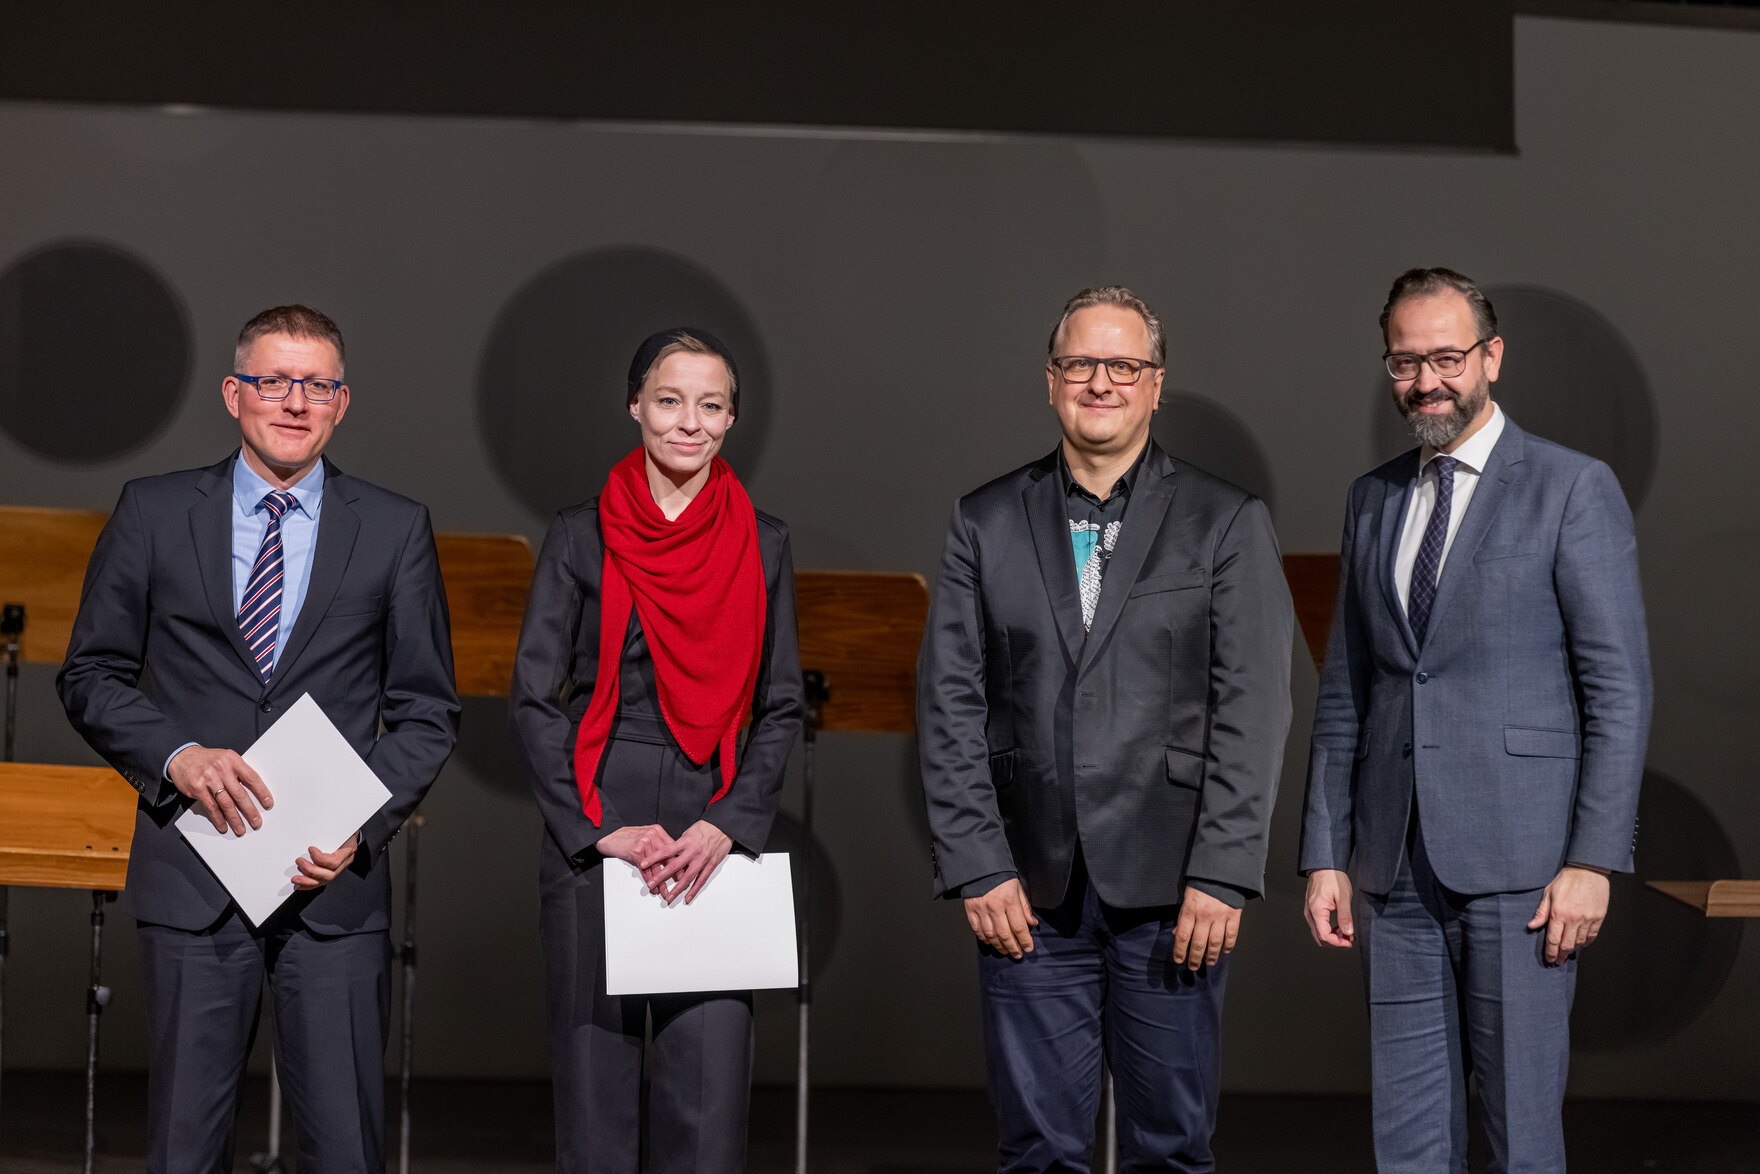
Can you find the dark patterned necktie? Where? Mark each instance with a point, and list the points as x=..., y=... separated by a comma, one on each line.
x=259, y=616
x=1424, y=571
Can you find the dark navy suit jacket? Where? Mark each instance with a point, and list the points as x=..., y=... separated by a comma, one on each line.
x=156, y=660
x=1521, y=723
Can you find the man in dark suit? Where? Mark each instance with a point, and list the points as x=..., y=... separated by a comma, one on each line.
x=1103, y=695
x=215, y=599
x=1478, y=743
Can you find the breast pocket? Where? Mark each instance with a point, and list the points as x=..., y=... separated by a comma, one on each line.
x=354, y=605
x=1177, y=581
x=1507, y=550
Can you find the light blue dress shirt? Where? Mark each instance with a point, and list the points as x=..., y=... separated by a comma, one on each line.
x=299, y=540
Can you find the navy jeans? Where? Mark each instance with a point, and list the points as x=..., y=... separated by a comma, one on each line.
x=1101, y=983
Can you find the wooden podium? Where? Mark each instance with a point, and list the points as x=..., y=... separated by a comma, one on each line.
x=67, y=827
x=1723, y=898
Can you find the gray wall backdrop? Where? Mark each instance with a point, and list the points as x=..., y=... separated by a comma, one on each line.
x=891, y=298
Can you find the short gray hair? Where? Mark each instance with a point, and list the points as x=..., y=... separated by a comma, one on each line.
x=1424, y=283
x=1113, y=295
x=294, y=321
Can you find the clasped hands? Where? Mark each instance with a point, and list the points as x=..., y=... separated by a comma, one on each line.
x=670, y=867
x=228, y=791
x=1206, y=930
x=1571, y=910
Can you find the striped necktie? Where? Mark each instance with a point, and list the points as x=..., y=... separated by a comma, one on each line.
x=1429, y=563
x=259, y=616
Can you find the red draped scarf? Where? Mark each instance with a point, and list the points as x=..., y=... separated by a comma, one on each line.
x=698, y=585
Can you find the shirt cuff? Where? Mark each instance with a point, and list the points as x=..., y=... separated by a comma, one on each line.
x=1595, y=868
x=1229, y=895
x=174, y=754
x=977, y=888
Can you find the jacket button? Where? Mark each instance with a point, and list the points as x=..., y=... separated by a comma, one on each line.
x=1406, y=750
x=267, y=708
x=1422, y=677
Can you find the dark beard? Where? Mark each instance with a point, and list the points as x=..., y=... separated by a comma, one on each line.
x=1442, y=431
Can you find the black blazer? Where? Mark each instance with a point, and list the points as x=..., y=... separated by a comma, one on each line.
x=558, y=662
x=156, y=660
x=1156, y=740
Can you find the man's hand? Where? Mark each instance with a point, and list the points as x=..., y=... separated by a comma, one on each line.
x=1572, y=909
x=1000, y=918
x=688, y=864
x=1329, y=892
x=320, y=868
x=223, y=785
x=1206, y=930
x=643, y=845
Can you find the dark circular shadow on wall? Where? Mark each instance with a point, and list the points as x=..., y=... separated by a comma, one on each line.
x=550, y=389
x=1621, y=1004
x=94, y=352
x=1568, y=376
x=1714, y=644
x=789, y=835
x=1214, y=439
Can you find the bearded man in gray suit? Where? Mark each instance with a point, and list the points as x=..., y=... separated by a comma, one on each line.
x=1478, y=744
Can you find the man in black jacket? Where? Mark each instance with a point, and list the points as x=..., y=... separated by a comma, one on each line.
x=215, y=599
x=1103, y=696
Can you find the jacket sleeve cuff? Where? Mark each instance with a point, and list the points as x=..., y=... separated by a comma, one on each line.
x=977, y=888
x=1228, y=894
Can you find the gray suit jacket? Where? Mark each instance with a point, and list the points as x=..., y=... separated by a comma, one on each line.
x=1156, y=740
x=156, y=660
x=1521, y=723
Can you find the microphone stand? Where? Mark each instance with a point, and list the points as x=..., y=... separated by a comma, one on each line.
x=12, y=632
x=817, y=694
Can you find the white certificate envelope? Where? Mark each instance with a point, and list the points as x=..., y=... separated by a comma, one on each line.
x=323, y=794
x=736, y=935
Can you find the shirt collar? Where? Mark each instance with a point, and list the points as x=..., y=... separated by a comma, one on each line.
x=1122, y=486
x=248, y=489
x=1475, y=451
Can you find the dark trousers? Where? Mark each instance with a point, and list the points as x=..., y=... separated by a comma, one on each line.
x=1459, y=991
x=331, y=997
x=700, y=1062
x=1101, y=983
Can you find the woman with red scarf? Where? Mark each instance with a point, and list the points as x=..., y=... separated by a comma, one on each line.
x=661, y=619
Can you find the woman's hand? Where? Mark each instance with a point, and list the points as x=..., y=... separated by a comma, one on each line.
x=691, y=860
x=646, y=846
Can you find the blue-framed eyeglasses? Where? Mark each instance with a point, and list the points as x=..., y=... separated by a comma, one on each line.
x=275, y=387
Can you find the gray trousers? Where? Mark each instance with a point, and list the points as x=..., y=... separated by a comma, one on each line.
x=700, y=1063
x=1459, y=991
x=331, y=997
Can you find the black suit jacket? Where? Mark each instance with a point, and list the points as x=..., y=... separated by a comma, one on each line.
x=156, y=660
x=553, y=681
x=1155, y=740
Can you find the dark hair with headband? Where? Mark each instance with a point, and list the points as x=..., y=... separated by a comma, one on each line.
x=682, y=340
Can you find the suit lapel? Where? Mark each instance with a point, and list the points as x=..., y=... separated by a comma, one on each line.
x=210, y=531
x=337, y=526
x=1048, y=519
x=1396, y=500
x=1501, y=468
x=1143, y=515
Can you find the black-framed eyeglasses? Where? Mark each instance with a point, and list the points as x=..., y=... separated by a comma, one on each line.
x=1404, y=365
x=1081, y=368
x=273, y=387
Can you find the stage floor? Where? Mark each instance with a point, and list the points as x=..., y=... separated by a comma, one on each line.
x=474, y=1127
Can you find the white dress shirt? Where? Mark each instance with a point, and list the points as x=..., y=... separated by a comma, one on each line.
x=1471, y=457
